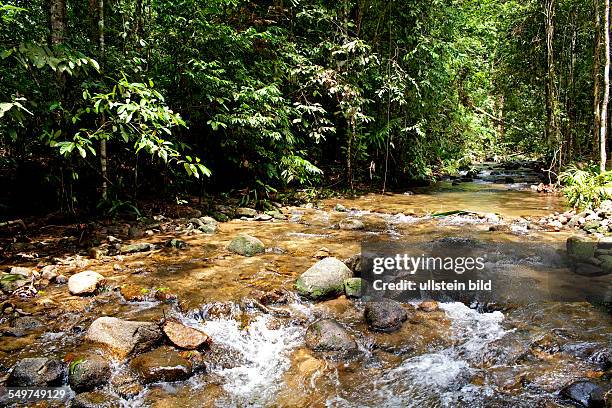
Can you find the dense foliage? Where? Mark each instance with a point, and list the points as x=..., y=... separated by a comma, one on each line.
x=266, y=94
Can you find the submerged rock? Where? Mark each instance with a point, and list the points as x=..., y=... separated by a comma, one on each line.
x=126, y=385
x=351, y=224
x=323, y=279
x=162, y=364
x=123, y=337
x=95, y=399
x=185, y=337
x=37, y=372
x=329, y=335
x=88, y=372
x=428, y=306
x=581, y=248
x=385, y=315
x=84, y=283
x=246, y=245
x=585, y=392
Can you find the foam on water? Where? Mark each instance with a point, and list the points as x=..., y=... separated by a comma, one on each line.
x=265, y=352
x=438, y=379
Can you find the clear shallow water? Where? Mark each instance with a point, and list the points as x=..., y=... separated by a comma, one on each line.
x=461, y=357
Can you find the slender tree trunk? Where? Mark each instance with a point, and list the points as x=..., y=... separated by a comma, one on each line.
x=57, y=12
x=596, y=76
x=606, y=95
x=103, y=158
x=552, y=103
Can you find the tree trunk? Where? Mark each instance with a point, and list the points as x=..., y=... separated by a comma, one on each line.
x=57, y=13
x=103, y=159
x=596, y=76
x=606, y=95
x=552, y=103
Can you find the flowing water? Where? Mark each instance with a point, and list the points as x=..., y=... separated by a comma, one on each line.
x=517, y=356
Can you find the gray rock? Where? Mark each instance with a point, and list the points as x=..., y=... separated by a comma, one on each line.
x=351, y=224
x=84, y=283
x=139, y=247
x=262, y=217
x=584, y=392
x=354, y=264
x=277, y=215
x=246, y=245
x=37, y=372
x=245, y=212
x=162, y=364
x=25, y=272
x=329, y=335
x=339, y=208
x=385, y=315
x=22, y=325
x=88, y=372
x=323, y=279
x=95, y=399
x=123, y=337
x=49, y=272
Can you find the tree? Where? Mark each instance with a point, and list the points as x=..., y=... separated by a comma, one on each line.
x=606, y=95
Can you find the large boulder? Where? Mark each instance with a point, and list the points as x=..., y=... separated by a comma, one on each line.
x=88, y=372
x=37, y=372
x=246, y=245
x=162, y=364
x=123, y=337
x=185, y=337
x=329, y=335
x=324, y=279
x=385, y=315
x=581, y=248
x=584, y=392
x=84, y=283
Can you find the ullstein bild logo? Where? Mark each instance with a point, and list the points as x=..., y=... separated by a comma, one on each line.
x=464, y=269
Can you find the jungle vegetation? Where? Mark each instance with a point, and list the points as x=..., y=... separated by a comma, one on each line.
x=107, y=100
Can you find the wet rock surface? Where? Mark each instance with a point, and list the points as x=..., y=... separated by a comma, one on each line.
x=161, y=364
x=38, y=372
x=185, y=337
x=123, y=337
x=586, y=393
x=95, y=399
x=329, y=335
x=385, y=315
x=88, y=371
x=323, y=279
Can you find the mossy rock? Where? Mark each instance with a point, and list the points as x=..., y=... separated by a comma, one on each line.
x=324, y=279
x=581, y=248
x=352, y=287
x=246, y=245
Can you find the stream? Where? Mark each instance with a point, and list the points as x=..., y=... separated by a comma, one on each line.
x=457, y=356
